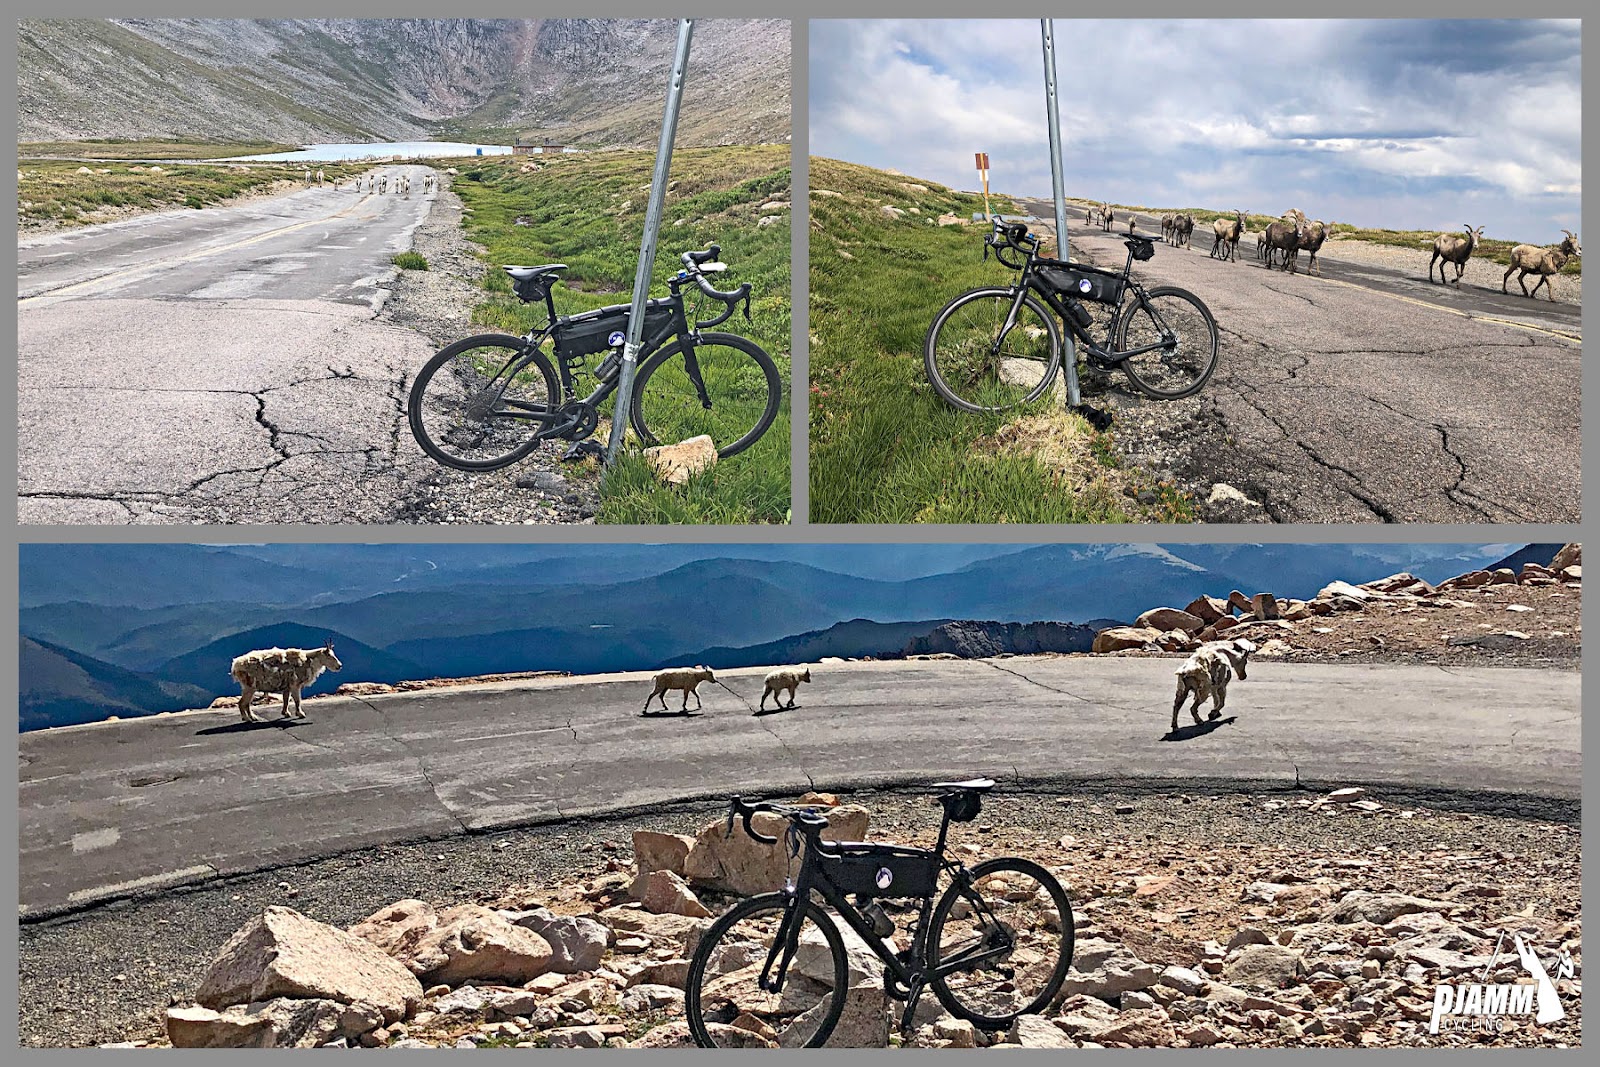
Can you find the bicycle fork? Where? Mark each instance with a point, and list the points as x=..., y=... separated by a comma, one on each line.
x=784, y=946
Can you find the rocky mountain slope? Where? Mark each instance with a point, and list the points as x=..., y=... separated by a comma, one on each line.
x=592, y=81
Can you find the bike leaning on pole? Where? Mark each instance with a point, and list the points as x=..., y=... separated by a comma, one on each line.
x=999, y=347
x=488, y=401
x=774, y=969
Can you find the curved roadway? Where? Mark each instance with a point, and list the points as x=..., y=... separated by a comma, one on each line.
x=120, y=808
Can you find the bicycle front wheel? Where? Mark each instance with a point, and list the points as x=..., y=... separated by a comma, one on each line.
x=1182, y=326
x=723, y=996
x=1000, y=942
x=471, y=404
x=725, y=386
x=976, y=367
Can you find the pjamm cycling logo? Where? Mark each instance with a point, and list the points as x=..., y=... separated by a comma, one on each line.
x=1486, y=1006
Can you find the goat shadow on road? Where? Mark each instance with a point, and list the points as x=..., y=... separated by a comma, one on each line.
x=246, y=727
x=1191, y=731
x=774, y=711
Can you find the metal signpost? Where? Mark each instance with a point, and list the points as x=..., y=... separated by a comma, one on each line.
x=983, y=173
x=647, y=247
x=1052, y=111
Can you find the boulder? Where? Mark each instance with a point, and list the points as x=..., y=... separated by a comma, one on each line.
x=679, y=932
x=864, y=1023
x=1502, y=576
x=1207, y=609
x=1572, y=573
x=675, y=464
x=1571, y=555
x=1081, y=1015
x=1264, y=606
x=1036, y=1031
x=479, y=944
x=1118, y=638
x=399, y=929
x=1469, y=580
x=740, y=864
x=1168, y=619
x=654, y=851
x=1184, y=980
x=279, y=1023
x=1265, y=967
x=676, y=1035
x=667, y=894
x=1359, y=905
x=1144, y=1028
x=578, y=942
x=647, y=997
x=282, y=953
x=1105, y=969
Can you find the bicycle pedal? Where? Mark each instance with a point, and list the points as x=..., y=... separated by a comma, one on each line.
x=581, y=449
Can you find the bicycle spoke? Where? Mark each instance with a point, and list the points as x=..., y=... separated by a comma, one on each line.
x=474, y=406
x=728, y=393
x=799, y=999
x=1181, y=342
x=978, y=364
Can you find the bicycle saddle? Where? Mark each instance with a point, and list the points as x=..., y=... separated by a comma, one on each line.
x=522, y=274
x=975, y=785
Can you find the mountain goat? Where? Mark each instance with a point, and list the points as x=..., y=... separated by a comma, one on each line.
x=1205, y=674
x=1452, y=248
x=785, y=678
x=281, y=670
x=686, y=679
x=1531, y=259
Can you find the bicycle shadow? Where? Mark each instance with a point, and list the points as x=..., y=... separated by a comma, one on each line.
x=1192, y=730
x=247, y=727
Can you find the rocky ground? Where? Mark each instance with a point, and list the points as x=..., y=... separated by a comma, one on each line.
x=1278, y=919
x=1529, y=618
x=438, y=304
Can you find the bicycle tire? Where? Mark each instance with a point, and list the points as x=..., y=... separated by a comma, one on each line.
x=966, y=891
x=958, y=352
x=700, y=1028
x=455, y=391
x=1191, y=365
x=673, y=412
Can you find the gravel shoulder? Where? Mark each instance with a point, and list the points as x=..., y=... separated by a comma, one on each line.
x=106, y=975
x=438, y=303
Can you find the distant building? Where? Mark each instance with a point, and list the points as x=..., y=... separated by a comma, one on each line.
x=525, y=147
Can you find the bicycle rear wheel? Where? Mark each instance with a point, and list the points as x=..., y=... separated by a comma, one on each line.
x=1177, y=320
x=723, y=997
x=468, y=407
x=1000, y=942
x=730, y=390
x=974, y=368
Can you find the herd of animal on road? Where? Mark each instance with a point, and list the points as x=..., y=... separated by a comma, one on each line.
x=286, y=672
x=1283, y=239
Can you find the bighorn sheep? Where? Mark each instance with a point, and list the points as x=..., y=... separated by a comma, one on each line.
x=686, y=679
x=1311, y=241
x=281, y=670
x=1531, y=259
x=1132, y=220
x=1283, y=235
x=1450, y=248
x=1205, y=674
x=1166, y=227
x=1182, y=227
x=1226, y=234
x=785, y=678
x=1107, y=217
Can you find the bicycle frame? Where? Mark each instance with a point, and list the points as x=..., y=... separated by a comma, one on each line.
x=909, y=973
x=1029, y=282
x=556, y=421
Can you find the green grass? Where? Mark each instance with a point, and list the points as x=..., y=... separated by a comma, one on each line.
x=127, y=148
x=587, y=211
x=53, y=190
x=409, y=260
x=884, y=446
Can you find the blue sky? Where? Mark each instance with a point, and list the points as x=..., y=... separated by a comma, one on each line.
x=1406, y=124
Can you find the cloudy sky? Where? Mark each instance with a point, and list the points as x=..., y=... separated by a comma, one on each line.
x=1402, y=124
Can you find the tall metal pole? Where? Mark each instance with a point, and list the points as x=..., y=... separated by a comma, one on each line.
x=1053, y=113
x=647, y=247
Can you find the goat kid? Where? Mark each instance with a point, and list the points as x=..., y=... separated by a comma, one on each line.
x=1205, y=675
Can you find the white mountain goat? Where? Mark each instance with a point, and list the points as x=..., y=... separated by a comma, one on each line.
x=686, y=679
x=1206, y=674
x=281, y=670
x=785, y=678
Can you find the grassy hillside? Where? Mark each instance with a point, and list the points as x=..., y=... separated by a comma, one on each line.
x=884, y=446
x=130, y=148
x=587, y=211
x=53, y=191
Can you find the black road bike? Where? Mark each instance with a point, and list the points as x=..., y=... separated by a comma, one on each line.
x=774, y=970
x=998, y=347
x=486, y=402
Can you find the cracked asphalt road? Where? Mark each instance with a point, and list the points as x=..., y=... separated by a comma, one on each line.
x=1366, y=394
x=219, y=366
x=137, y=806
